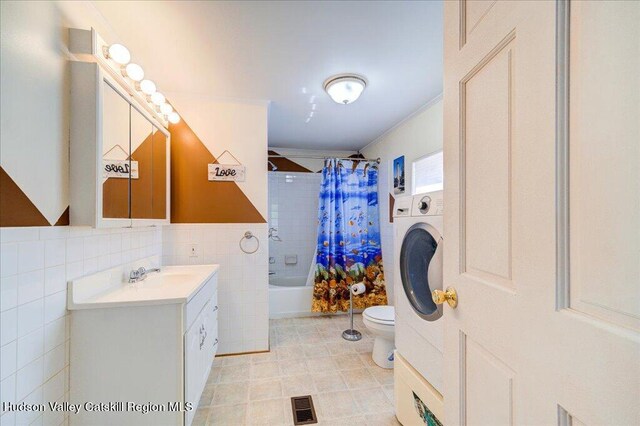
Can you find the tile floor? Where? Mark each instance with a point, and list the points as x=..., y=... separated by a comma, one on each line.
x=308, y=357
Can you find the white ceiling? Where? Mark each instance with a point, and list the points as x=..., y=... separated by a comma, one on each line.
x=283, y=51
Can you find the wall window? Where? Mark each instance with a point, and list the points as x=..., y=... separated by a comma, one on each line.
x=427, y=173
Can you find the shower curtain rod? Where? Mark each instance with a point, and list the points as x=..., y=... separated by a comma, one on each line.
x=318, y=157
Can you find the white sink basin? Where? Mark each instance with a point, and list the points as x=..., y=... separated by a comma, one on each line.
x=173, y=284
x=165, y=278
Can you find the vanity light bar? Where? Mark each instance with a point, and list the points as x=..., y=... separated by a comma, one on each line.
x=157, y=98
x=118, y=54
x=121, y=56
x=147, y=87
x=88, y=46
x=174, y=118
x=134, y=72
x=166, y=109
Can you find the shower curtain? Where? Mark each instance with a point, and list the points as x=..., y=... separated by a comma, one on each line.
x=348, y=249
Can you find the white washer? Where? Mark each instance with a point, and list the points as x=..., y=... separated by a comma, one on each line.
x=418, y=226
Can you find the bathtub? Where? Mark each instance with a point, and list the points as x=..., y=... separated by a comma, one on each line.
x=289, y=297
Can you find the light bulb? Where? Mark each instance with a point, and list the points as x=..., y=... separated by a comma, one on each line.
x=119, y=54
x=147, y=87
x=174, y=117
x=166, y=109
x=157, y=98
x=134, y=72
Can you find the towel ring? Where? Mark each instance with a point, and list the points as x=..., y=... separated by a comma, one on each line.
x=247, y=236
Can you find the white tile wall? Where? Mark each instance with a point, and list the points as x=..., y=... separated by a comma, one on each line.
x=293, y=210
x=35, y=265
x=243, y=296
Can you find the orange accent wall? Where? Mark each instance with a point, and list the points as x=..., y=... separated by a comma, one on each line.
x=285, y=164
x=16, y=209
x=193, y=198
x=63, y=220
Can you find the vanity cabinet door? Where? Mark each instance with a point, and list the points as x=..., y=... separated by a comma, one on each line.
x=210, y=321
x=115, y=155
x=199, y=349
x=192, y=379
x=142, y=178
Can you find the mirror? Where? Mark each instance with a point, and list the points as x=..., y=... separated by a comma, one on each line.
x=118, y=153
x=115, y=155
x=159, y=197
x=141, y=166
x=134, y=162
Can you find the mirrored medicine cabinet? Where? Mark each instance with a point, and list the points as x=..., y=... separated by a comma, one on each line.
x=119, y=170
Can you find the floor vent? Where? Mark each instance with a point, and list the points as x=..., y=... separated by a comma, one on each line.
x=303, y=411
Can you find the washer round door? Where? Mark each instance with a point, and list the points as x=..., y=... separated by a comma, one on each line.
x=421, y=269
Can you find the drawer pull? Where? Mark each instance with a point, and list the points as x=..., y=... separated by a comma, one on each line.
x=215, y=308
x=203, y=336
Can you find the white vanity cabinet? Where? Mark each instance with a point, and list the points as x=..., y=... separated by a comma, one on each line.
x=200, y=344
x=150, y=343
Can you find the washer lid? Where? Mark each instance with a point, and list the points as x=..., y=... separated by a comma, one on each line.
x=381, y=313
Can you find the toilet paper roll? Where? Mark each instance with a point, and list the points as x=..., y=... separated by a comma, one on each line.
x=358, y=288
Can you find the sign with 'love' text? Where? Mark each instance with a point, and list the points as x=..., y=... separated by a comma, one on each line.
x=226, y=172
x=119, y=169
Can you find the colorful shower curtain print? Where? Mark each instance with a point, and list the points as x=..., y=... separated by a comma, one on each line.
x=349, y=249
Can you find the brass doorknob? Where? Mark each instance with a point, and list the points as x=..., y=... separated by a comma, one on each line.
x=450, y=296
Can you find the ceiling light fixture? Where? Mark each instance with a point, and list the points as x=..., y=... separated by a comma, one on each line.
x=118, y=54
x=345, y=88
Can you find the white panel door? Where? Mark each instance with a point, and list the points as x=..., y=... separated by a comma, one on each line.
x=542, y=160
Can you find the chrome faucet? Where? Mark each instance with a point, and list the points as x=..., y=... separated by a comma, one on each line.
x=273, y=234
x=140, y=274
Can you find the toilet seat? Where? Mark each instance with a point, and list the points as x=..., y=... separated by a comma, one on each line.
x=383, y=315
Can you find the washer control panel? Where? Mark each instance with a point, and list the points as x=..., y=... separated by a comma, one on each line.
x=431, y=204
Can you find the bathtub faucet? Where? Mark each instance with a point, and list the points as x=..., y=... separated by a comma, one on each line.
x=273, y=234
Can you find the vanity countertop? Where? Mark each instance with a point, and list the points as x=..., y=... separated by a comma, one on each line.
x=110, y=289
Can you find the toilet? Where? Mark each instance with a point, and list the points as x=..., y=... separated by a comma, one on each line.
x=380, y=321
